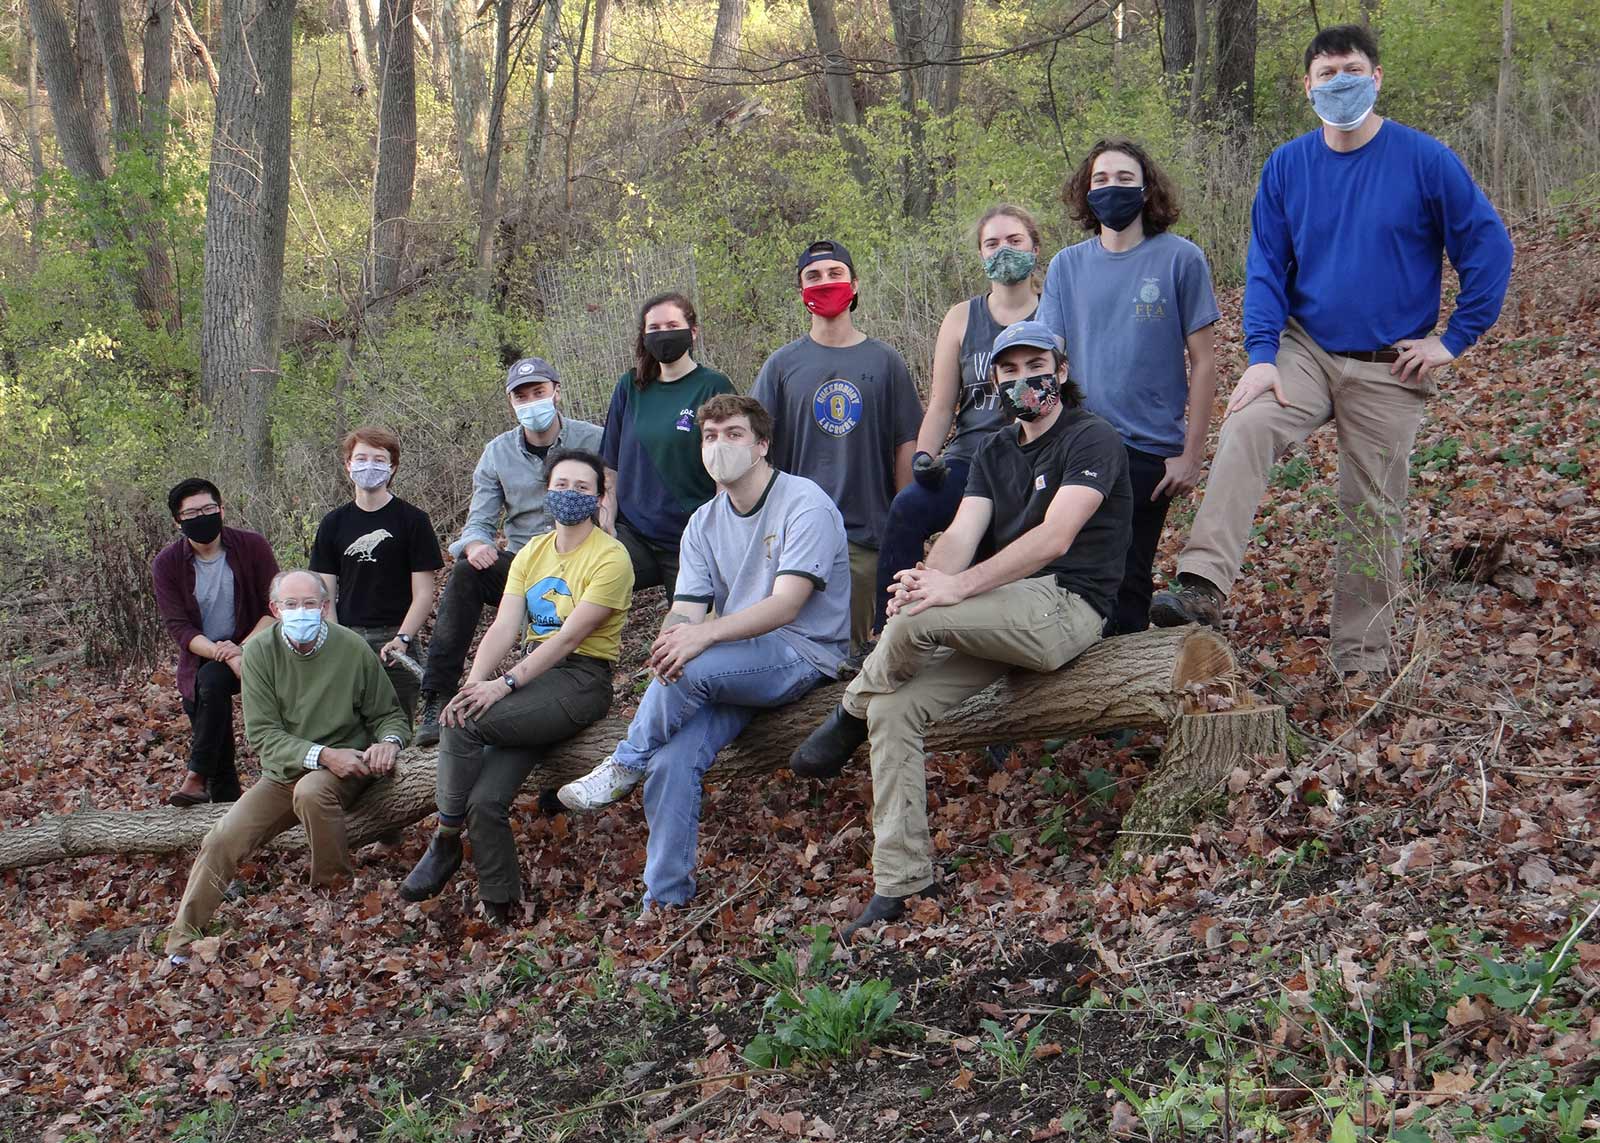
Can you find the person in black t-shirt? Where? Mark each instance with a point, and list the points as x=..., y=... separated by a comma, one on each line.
x=378, y=555
x=1051, y=495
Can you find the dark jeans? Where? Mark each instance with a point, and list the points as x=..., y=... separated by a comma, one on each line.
x=466, y=593
x=211, y=756
x=405, y=683
x=654, y=565
x=1132, y=611
x=482, y=765
x=916, y=514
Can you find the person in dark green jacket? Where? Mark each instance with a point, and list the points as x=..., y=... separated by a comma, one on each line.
x=323, y=717
x=654, y=477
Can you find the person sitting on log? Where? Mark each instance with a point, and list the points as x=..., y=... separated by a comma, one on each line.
x=769, y=555
x=211, y=591
x=377, y=555
x=1051, y=496
x=567, y=592
x=1348, y=234
x=324, y=719
x=509, y=481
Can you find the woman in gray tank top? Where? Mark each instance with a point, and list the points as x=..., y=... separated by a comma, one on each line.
x=959, y=393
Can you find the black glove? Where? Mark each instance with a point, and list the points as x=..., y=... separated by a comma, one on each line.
x=929, y=470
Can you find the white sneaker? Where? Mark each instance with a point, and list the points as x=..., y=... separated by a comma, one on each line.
x=605, y=784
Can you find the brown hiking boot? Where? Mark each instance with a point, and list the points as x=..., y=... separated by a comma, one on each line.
x=1194, y=600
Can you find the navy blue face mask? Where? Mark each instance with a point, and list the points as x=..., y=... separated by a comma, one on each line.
x=1116, y=207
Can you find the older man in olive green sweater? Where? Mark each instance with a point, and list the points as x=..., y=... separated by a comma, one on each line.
x=323, y=717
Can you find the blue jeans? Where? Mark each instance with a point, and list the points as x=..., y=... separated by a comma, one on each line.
x=916, y=514
x=678, y=731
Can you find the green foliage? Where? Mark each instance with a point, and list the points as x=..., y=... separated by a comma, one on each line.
x=817, y=1022
x=1012, y=1055
x=821, y=1023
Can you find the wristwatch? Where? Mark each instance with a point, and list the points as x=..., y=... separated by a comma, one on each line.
x=510, y=681
x=404, y=638
x=394, y=738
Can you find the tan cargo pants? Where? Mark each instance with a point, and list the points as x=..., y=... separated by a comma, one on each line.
x=923, y=666
x=317, y=801
x=1376, y=418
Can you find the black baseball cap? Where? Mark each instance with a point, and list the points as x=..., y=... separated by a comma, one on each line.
x=827, y=250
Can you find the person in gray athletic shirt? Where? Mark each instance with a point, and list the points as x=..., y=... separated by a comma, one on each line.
x=845, y=415
x=768, y=554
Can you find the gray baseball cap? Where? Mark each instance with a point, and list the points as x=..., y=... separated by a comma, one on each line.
x=1034, y=334
x=531, y=369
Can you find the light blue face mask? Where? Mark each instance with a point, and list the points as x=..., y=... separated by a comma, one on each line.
x=537, y=416
x=1345, y=101
x=302, y=624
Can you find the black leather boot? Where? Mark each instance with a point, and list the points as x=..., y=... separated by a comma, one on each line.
x=826, y=750
x=882, y=908
x=437, y=866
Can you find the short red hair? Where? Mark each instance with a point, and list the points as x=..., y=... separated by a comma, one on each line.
x=375, y=435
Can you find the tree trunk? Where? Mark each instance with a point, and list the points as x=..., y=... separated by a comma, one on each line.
x=35, y=149
x=839, y=79
x=489, y=208
x=361, y=45
x=1502, y=99
x=572, y=117
x=92, y=80
x=1202, y=61
x=247, y=209
x=1177, y=48
x=394, y=177
x=539, y=106
x=1134, y=682
x=927, y=36
x=730, y=30
x=599, y=53
x=1201, y=751
x=58, y=60
x=120, y=84
x=197, y=46
x=1236, y=62
x=158, y=26
x=467, y=54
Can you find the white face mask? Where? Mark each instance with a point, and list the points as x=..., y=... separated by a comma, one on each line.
x=370, y=474
x=727, y=462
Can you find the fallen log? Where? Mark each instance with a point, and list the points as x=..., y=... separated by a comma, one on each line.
x=1138, y=682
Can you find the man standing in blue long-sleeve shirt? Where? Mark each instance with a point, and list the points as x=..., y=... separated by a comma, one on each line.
x=1347, y=235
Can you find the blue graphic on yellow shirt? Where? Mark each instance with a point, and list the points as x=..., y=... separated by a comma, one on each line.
x=837, y=407
x=543, y=618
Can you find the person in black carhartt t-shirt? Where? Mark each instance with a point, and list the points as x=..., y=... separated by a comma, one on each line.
x=1051, y=495
x=378, y=555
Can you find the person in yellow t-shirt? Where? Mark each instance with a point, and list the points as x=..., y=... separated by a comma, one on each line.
x=567, y=594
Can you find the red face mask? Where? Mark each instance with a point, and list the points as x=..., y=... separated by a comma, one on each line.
x=829, y=299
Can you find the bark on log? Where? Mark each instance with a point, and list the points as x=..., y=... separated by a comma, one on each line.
x=1136, y=682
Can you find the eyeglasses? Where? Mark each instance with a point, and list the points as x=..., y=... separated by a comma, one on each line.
x=196, y=513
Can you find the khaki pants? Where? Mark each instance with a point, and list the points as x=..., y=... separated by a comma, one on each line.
x=1376, y=418
x=924, y=665
x=863, y=583
x=317, y=802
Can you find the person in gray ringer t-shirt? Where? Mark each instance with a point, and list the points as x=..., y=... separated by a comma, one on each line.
x=768, y=555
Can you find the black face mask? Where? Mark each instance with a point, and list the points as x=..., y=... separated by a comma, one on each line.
x=667, y=345
x=202, y=529
x=1117, y=207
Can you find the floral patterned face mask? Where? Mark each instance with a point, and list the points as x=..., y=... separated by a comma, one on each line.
x=1030, y=398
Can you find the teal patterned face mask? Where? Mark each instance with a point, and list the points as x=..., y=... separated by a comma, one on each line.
x=1008, y=265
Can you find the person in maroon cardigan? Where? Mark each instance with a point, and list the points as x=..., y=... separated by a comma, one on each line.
x=211, y=590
